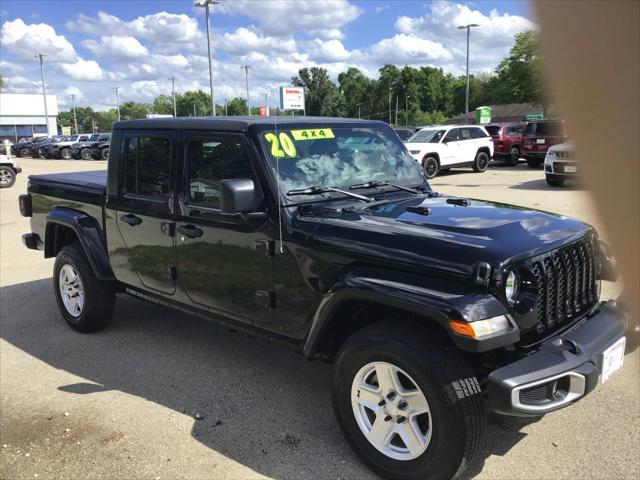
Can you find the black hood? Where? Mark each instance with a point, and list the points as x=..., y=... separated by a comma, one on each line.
x=451, y=237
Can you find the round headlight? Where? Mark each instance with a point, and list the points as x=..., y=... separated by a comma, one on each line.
x=511, y=286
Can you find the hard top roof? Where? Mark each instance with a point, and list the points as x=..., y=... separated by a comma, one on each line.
x=239, y=124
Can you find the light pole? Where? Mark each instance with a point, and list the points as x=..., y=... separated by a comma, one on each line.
x=466, y=102
x=117, y=101
x=396, y=109
x=44, y=94
x=358, y=105
x=390, y=90
x=246, y=78
x=206, y=4
x=225, y=106
x=266, y=103
x=406, y=109
x=75, y=119
x=173, y=94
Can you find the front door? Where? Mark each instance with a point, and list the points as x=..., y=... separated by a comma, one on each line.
x=451, y=151
x=143, y=211
x=223, y=261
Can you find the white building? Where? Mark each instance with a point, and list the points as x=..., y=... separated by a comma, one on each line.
x=22, y=115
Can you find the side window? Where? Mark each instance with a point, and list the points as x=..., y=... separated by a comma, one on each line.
x=148, y=166
x=514, y=130
x=478, y=133
x=212, y=160
x=466, y=133
x=452, y=136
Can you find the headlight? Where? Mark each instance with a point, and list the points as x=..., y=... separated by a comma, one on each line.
x=480, y=328
x=511, y=286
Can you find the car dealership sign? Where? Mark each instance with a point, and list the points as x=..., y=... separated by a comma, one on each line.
x=291, y=98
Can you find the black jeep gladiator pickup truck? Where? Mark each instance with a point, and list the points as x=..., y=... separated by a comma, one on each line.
x=323, y=234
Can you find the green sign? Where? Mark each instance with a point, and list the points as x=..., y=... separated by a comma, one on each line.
x=534, y=116
x=483, y=115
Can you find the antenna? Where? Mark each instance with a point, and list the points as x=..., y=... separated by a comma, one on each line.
x=275, y=128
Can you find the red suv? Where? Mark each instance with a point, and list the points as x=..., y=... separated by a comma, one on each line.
x=507, y=141
x=538, y=136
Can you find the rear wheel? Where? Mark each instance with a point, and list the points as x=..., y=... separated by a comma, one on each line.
x=85, y=154
x=481, y=162
x=104, y=154
x=430, y=166
x=408, y=404
x=66, y=154
x=24, y=152
x=7, y=176
x=514, y=156
x=534, y=162
x=85, y=302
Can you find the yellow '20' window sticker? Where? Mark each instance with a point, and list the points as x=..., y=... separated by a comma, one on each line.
x=312, y=134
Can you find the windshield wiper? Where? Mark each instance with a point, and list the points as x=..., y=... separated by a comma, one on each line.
x=381, y=183
x=316, y=190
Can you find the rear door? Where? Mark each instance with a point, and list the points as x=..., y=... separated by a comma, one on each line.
x=223, y=260
x=144, y=210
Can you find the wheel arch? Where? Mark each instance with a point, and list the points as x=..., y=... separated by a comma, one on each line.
x=65, y=226
x=435, y=155
x=486, y=150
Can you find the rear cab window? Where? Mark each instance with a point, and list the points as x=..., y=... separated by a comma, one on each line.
x=147, y=167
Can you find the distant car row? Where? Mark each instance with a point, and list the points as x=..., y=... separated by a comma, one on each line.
x=439, y=148
x=82, y=146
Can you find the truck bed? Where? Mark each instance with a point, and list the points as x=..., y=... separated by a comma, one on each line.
x=92, y=181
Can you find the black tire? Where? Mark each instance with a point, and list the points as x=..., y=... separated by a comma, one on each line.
x=24, y=152
x=446, y=380
x=65, y=154
x=104, y=154
x=99, y=297
x=41, y=153
x=534, y=162
x=430, y=165
x=7, y=176
x=554, y=181
x=481, y=162
x=514, y=157
x=85, y=154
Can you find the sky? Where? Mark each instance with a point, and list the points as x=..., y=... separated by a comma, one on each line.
x=93, y=46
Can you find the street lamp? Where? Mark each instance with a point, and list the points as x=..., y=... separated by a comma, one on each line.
x=246, y=77
x=75, y=119
x=44, y=95
x=206, y=4
x=466, y=103
x=117, y=101
x=173, y=94
x=390, y=90
x=406, y=110
x=358, y=105
x=194, y=109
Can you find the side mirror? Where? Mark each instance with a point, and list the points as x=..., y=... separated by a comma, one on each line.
x=238, y=196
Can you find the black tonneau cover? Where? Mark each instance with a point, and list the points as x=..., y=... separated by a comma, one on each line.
x=95, y=181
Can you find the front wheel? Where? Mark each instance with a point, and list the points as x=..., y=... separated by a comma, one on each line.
x=481, y=162
x=24, y=152
x=7, y=177
x=85, y=302
x=554, y=181
x=104, y=154
x=514, y=157
x=66, y=154
x=409, y=405
x=534, y=163
x=430, y=167
x=85, y=154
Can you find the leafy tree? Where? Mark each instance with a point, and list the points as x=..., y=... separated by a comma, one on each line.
x=104, y=120
x=163, y=105
x=322, y=97
x=185, y=103
x=355, y=88
x=236, y=106
x=133, y=110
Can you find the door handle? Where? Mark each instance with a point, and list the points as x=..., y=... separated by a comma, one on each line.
x=190, y=231
x=131, y=219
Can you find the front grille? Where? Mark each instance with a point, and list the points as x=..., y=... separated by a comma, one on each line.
x=566, y=284
x=563, y=155
x=540, y=394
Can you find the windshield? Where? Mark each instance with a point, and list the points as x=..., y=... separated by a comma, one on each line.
x=338, y=157
x=427, y=136
x=544, y=129
x=494, y=130
x=94, y=137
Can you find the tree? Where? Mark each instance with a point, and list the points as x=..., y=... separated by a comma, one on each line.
x=104, y=120
x=236, y=106
x=322, y=97
x=185, y=101
x=133, y=110
x=354, y=89
x=163, y=105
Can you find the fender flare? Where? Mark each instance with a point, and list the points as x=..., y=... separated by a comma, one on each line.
x=89, y=234
x=435, y=306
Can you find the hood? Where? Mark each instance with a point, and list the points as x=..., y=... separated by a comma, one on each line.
x=451, y=238
x=562, y=147
x=417, y=146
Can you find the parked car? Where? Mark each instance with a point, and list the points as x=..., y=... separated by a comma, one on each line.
x=37, y=148
x=444, y=147
x=507, y=141
x=405, y=133
x=49, y=150
x=538, y=136
x=62, y=148
x=84, y=150
x=21, y=148
x=8, y=166
x=101, y=150
x=560, y=164
x=431, y=307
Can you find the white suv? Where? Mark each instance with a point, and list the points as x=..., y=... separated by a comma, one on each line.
x=560, y=164
x=443, y=147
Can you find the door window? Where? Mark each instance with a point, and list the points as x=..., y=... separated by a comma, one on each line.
x=452, y=136
x=478, y=133
x=148, y=166
x=212, y=160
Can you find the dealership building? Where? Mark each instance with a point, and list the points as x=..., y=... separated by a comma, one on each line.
x=22, y=115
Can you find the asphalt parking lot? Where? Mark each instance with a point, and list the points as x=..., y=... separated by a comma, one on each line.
x=159, y=395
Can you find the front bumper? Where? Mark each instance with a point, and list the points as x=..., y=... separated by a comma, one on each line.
x=573, y=361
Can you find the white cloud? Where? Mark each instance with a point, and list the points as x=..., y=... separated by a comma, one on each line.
x=122, y=48
x=319, y=18
x=19, y=84
x=24, y=41
x=83, y=70
x=245, y=40
x=10, y=68
x=328, y=51
x=408, y=49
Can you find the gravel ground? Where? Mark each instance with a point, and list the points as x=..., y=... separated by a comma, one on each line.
x=159, y=395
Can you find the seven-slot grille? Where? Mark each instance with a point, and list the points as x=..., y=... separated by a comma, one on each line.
x=566, y=284
x=563, y=154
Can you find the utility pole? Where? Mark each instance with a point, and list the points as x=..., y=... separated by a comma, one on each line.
x=266, y=103
x=396, y=109
x=359, y=116
x=206, y=4
x=75, y=119
x=117, y=101
x=466, y=103
x=194, y=109
x=406, y=110
x=390, y=89
x=246, y=77
x=225, y=106
x=173, y=94
x=44, y=94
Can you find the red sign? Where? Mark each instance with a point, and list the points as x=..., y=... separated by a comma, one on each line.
x=263, y=111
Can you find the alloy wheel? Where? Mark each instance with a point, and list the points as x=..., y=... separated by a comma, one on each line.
x=6, y=176
x=391, y=411
x=71, y=290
